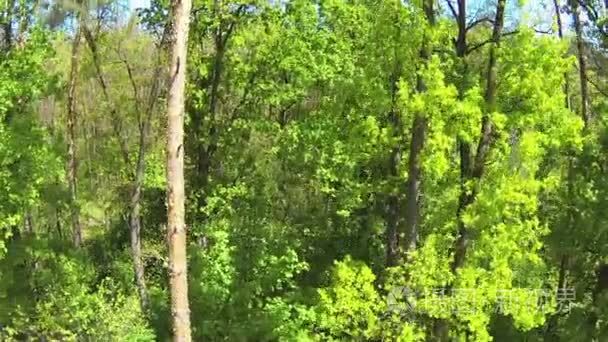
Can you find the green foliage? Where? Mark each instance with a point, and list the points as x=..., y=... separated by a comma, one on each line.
x=350, y=307
x=299, y=127
x=69, y=301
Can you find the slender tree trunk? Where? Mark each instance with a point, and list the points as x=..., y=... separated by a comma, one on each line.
x=394, y=204
x=560, y=34
x=58, y=222
x=552, y=322
x=71, y=132
x=24, y=22
x=441, y=326
x=550, y=333
x=472, y=169
x=475, y=173
x=140, y=170
x=135, y=227
x=582, y=62
x=176, y=228
x=595, y=312
x=28, y=222
x=394, y=219
x=8, y=24
x=464, y=147
x=205, y=152
x=419, y=128
x=393, y=209
x=116, y=122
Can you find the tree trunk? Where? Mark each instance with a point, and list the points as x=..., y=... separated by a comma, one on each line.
x=560, y=34
x=116, y=123
x=475, y=172
x=582, y=62
x=8, y=24
x=419, y=127
x=58, y=222
x=393, y=208
x=136, y=196
x=71, y=132
x=176, y=229
x=135, y=226
x=28, y=222
x=24, y=22
x=393, y=215
x=441, y=326
x=553, y=320
x=472, y=169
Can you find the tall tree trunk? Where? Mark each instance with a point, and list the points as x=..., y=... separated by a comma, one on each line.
x=441, y=326
x=205, y=152
x=552, y=322
x=464, y=147
x=472, y=169
x=176, y=229
x=419, y=127
x=72, y=169
x=582, y=62
x=135, y=227
x=475, y=172
x=393, y=208
x=138, y=180
x=560, y=34
x=8, y=24
x=394, y=219
x=595, y=312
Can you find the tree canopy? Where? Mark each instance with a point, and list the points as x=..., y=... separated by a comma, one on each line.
x=352, y=170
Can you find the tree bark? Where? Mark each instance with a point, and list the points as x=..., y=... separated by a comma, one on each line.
x=471, y=169
x=72, y=171
x=553, y=320
x=582, y=62
x=8, y=24
x=419, y=128
x=560, y=35
x=135, y=227
x=441, y=326
x=394, y=220
x=176, y=229
x=475, y=171
x=140, y=171
x=393, y=209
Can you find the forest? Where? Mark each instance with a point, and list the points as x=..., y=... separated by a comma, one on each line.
x=304, y=170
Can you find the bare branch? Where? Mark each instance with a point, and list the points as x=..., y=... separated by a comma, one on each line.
x=452, y=9
x=598, y=88
x=549, y=31
x=479, y=21
x=104, y=88
x=488, y=41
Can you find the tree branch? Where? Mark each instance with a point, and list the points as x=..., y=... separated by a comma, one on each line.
x=104, y=87
x=478, y=21
x=488, y=41
x=597, y=87
x=452, y=9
